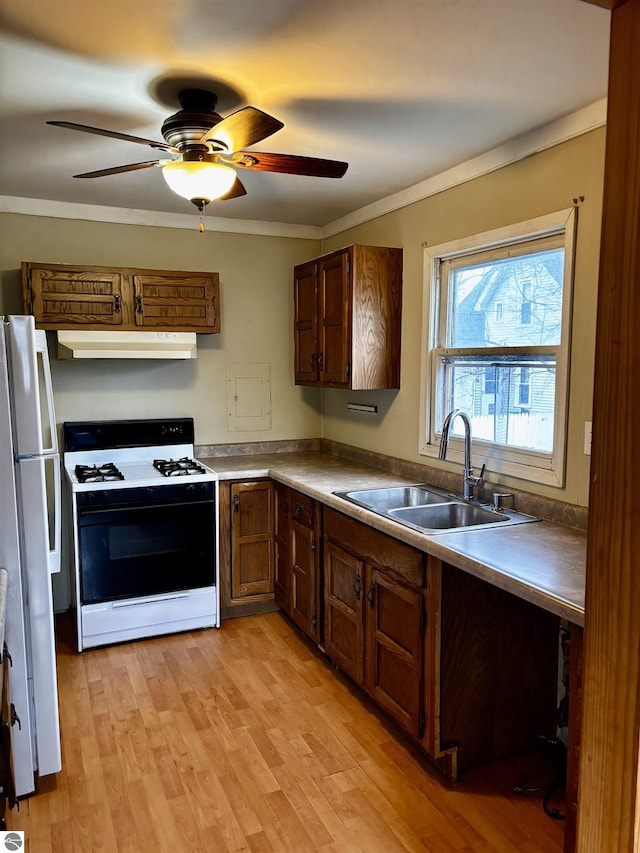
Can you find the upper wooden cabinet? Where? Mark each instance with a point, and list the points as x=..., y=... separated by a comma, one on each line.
x=347, y=309
x=92, y=298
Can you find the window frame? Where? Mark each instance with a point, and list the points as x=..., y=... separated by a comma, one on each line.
x=535, y=466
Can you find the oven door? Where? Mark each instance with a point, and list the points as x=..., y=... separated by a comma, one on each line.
x=130, y=548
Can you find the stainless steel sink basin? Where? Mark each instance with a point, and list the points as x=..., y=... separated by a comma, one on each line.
x=431, y=511
x=449, y=516
x=394, y=497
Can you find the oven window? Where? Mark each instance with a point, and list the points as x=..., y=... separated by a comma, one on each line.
x=140, y=551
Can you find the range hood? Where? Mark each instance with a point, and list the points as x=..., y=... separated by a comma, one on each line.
x=113, y=344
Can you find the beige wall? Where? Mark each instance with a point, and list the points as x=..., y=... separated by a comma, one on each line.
x=540, y=184
x=256, y=323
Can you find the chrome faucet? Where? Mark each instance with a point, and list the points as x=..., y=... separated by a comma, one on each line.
x=469, y=482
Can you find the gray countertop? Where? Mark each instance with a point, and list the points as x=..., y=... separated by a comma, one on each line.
x=541, y=562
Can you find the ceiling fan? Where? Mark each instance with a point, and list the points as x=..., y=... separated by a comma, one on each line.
x=209, y=148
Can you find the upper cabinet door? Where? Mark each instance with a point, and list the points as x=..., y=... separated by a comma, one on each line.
x=348, y=307
x=67, y=298
x=95, y=298
x=184, y=301
x=305, y=298
x=334, y=310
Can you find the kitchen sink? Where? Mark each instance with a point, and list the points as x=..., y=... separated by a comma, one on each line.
x=447, y=516
x=394, y=497
x=431, y=511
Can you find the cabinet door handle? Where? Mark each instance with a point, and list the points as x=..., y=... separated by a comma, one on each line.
x=299, y=508
x=371, y=592
x=312, y=361
x=139, y=304
x=116, y=303
x=320, y=363
x=357, y=587
x=286, y=506
x=236, y=503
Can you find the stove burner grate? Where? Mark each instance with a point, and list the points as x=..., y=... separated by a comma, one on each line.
x=98, y=473
x=178, y=467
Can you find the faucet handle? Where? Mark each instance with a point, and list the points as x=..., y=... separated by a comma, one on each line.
x=479, y=480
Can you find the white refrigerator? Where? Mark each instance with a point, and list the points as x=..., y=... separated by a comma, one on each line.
x=29, y=545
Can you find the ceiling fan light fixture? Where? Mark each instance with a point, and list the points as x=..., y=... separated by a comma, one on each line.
x=203, y=181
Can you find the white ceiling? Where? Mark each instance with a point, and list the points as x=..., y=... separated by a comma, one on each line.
x=401, y=89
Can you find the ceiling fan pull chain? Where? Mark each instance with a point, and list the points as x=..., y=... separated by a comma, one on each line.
x=201, y=223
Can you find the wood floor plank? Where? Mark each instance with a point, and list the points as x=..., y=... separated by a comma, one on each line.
x=246, y=740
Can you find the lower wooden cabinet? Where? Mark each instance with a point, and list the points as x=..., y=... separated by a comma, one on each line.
x=375, y=615
x=252, y=538
x=246, y=554
x=394, y=639
x=297, y=558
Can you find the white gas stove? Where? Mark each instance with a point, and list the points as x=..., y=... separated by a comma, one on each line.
x=144, y=527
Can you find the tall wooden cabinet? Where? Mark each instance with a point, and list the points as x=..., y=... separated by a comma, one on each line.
x=347, y=315
x=127, y=299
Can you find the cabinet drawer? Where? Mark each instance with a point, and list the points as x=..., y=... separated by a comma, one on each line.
x=301, y=508
x=396, y=558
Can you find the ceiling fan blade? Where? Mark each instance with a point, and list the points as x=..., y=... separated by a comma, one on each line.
x=115, y=170
x=290, y=164
x=85, y=128
x=236, y=191
x=243, y=128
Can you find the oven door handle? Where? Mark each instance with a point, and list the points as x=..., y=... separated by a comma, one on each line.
x=83, y=512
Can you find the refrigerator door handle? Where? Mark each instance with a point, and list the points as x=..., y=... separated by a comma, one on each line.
x=42, y=351
x=54, y=552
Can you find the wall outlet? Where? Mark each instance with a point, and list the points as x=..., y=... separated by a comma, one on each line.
x=587, y=438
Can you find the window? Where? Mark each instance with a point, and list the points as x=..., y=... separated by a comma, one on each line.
x=496, y=345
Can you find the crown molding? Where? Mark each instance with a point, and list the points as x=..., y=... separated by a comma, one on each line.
x=547, y=136
x=126, y=216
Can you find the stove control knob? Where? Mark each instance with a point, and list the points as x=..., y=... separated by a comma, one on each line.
x=151, y=492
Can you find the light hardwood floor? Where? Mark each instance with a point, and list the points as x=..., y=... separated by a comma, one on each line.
x=247, y=739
